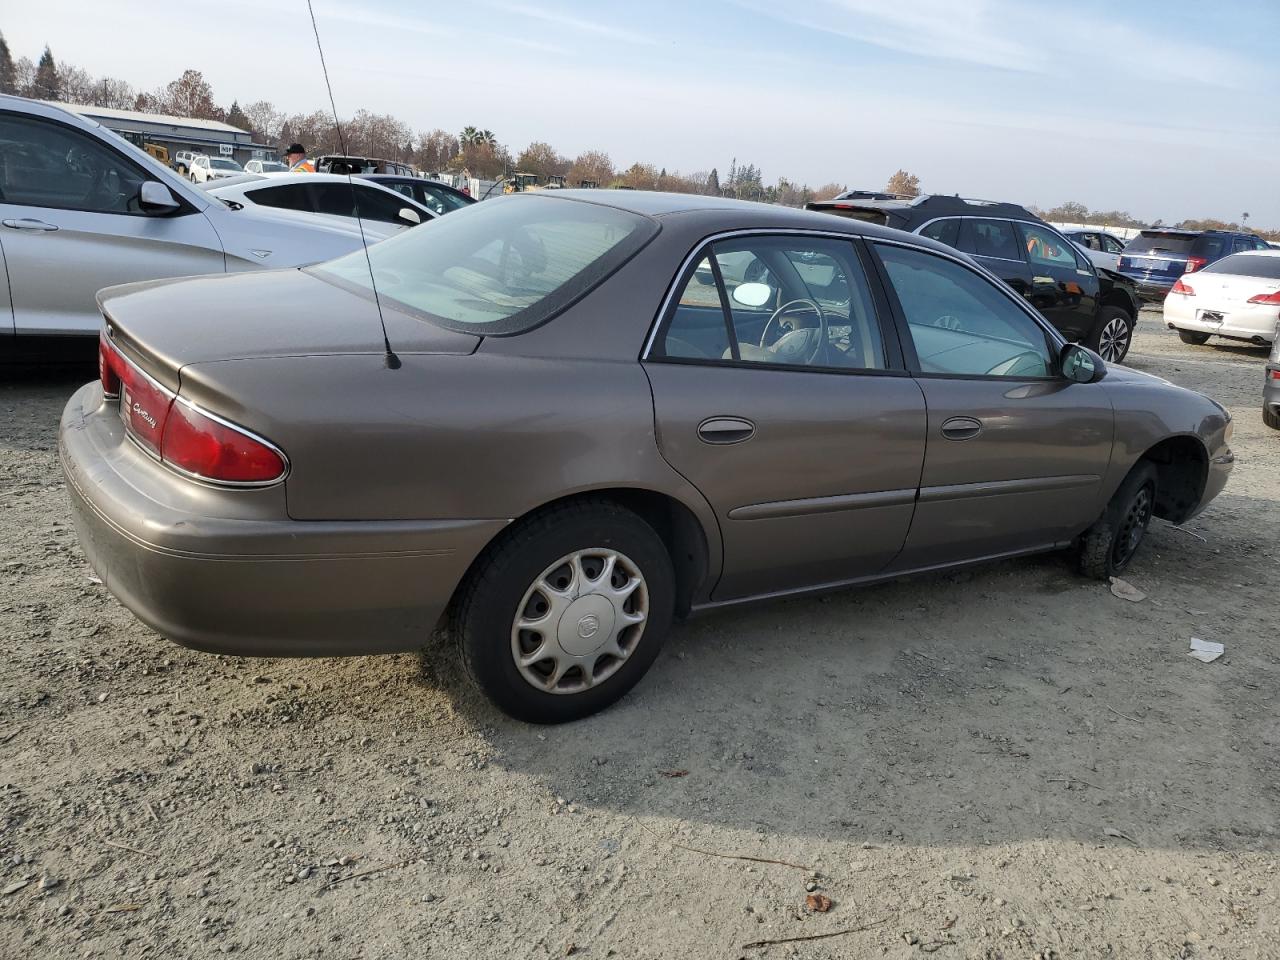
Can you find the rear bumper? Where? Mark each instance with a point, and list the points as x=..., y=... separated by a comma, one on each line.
x=1249, y=323
x=251, y=585
x=1151, y=290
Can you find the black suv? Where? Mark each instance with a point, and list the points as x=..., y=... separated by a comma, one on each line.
x=1088, y=304
x=1155, y=259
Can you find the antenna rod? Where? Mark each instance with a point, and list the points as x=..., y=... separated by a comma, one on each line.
x=389, y=357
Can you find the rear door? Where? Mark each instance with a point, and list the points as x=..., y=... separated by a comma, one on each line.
x=71, y=224
x=1064, y=287
x=1015, y=453
x=994, y=244
x=777, y=393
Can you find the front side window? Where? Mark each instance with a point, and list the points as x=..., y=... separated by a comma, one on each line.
x=792, y=301
x=1111, y=245
x=508, y=266
x=992, y=238
x=961, y=323
x=1046, y=248
x=44, y=164
x=443, y=200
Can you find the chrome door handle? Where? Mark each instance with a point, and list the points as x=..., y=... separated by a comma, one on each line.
x=961, y=428
x=725, y=430
x=26, y=223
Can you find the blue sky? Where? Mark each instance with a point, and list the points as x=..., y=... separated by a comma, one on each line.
x=1167, y=109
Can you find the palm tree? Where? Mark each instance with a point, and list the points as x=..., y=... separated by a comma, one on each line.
x=486, y=137
x=469, y=136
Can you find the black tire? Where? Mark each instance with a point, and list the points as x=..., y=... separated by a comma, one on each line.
x=1193, y=337
x=1108, y=546
x=1106, y=339
x=1270, y=418
x=484, y=615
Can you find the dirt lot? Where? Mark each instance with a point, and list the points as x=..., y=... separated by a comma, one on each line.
x=1008, y=762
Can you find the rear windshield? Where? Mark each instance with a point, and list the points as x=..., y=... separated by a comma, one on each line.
x=219, y=164
x=499, y=267
x=1151, y=241
x=1247, y=265
x=856, y=213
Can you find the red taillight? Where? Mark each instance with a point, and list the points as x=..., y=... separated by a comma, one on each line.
x=1183, y=288
x=210, y=449
x=1195, y=263
x=1272, y=299
x=186, y=438
x=1275, y=374
x=108, y=369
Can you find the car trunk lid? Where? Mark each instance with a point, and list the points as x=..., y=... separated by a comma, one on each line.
x=163, y=325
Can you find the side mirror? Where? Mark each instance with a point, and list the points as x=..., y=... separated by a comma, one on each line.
x=409, y=216
x=752, y=294
x=155, y=198
x=1080, y=364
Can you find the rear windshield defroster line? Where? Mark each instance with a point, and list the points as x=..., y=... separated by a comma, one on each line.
x=497, y=268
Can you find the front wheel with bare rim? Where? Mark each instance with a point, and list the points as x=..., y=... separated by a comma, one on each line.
x=566, y=612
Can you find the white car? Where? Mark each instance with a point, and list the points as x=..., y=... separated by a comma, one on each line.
x=82, y=209
x=326, y=194
x=266, y=166
x=1103, y=249
x=203, y=169
x=1237, y=297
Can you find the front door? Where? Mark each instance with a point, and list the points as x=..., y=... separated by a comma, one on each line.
x=1015, y=453
x=777, y=394
x=1063, y=283
x=72, y=225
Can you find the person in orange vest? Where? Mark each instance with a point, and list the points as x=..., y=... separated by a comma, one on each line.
x=296, y=157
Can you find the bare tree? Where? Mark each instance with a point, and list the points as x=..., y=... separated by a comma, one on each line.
x=592, y=165
x=907, y=184
x=77, y=84
x=264, y=120
x=190, y=96
x=541, y=158
x=435, y=150
x=110, y=92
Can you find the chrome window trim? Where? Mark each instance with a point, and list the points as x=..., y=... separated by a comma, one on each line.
x=958, y=257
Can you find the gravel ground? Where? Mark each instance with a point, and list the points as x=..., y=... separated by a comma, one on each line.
x=1006, y=762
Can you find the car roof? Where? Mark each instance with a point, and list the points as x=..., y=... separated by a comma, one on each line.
x=928, y=206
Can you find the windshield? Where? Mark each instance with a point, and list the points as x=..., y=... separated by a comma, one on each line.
x=1247, y=265
x=271, y=166
x=220, y=164
x=499, y=267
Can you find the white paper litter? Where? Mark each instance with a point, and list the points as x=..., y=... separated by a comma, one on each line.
x=1206, y=651
x=1126, y=590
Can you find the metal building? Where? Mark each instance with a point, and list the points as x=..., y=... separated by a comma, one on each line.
x=179, y=133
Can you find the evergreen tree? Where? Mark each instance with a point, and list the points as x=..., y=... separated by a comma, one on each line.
x=47, y=85
x=8, y=75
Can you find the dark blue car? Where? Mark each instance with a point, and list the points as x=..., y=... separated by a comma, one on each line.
x=1155, y=259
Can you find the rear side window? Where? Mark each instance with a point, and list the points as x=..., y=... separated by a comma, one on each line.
x=1247, y=265
x=500, y=267
x=1159, y=243
x=1211, y=248
x=293, y=196
x=944, y=231
x=992, y=238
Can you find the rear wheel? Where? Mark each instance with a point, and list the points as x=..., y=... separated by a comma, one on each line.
x=1109, y=545
x=567, y=612
x=1193, y=337
x=1112, y=335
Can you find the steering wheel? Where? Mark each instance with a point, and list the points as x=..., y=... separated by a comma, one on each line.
x=799, y=345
